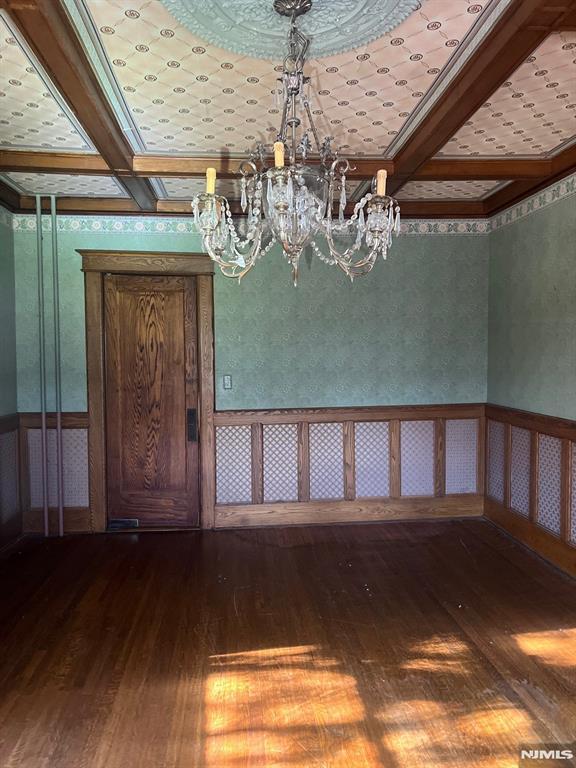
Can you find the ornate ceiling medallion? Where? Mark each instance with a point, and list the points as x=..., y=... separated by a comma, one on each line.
x=253, y=28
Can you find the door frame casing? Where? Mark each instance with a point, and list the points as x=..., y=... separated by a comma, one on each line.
x=97, y=263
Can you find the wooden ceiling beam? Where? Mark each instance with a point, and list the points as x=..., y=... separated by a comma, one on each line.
x=562, y=165
x=476, y=169
x=518, y=32
x=109, y=206
x=437, y=169
x=49, y=31
x=53, y=162
x=227, y=167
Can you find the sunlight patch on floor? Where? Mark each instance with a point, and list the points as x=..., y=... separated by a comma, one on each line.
x=437, y=735
x=555, y=647
x=284, y=708
x=444, y=655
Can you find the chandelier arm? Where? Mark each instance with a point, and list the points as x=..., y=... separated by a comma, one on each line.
x=335, y=253
x=312, y=125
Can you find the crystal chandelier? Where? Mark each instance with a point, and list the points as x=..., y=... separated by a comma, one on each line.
x=294, y=202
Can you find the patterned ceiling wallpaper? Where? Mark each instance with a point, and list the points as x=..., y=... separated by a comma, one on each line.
x=533, y=113
x=64, y=185
x=448, y=190
x=32, y=113
x=185, y=95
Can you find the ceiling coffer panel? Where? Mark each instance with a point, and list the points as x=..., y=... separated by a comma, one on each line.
x=186, y=95
x=32, y=113
x=533, y=113
x=65, y=185
x=448, y=190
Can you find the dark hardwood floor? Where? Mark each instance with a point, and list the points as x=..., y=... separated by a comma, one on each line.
x=397, y=645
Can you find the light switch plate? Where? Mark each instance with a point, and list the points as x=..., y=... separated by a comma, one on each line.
x=227, y=381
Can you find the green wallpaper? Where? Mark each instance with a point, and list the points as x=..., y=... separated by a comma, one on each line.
x=414, y=331
x=8, y=398
x=532, y=327
x=72, y=321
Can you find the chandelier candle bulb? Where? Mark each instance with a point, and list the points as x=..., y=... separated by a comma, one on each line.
x=279, y=154
x=210, y=181
x=381, y=182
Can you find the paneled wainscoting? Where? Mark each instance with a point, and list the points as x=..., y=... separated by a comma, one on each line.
x=10, y=519
x=348, y=465
x=77, y=517
x=345, y=465
x=531, y=481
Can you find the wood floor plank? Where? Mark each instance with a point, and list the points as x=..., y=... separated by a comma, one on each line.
x=437, y=644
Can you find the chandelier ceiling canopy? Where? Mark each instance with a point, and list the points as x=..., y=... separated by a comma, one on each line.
x=253, y=28
x=297, y=197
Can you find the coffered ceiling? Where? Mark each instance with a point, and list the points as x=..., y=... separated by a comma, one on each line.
x=185, y=95
x=532, y=113
x=469, y=106
x=65, y=185
x=448, y=190
x=33, y=114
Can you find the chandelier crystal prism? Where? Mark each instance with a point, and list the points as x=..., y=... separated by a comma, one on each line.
x=297, y=202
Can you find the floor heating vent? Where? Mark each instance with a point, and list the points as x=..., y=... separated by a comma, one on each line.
x=123, y=523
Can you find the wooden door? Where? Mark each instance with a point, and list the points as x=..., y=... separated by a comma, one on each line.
x=151, y=399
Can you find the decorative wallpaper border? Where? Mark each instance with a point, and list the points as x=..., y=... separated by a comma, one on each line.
x=155, y=225
x=173, y=225
x=543, y=199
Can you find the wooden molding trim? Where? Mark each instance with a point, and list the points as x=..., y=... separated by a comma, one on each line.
x=550, y=547
x=205, y=324
x=361, y=511
x=76, y=520
x=439, y=457
x=94, y=299
x=150, y=166
x=257, y=463
x=478, y=168
x=303, y=461
x=147, y=263
x=54, y=162
x=566, y=491
x=394, y=453
x=536, y=422
x=9, y=423
x=363, y=413
x=95, y=264
x=70, y=420
x=561, y=165
x=102, y=206
x=227, y=167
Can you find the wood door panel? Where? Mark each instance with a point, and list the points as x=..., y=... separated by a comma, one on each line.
x=151, y=382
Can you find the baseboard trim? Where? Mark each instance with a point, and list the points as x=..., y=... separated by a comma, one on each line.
x=76, y=520
x=360, y=511
x=545, y=544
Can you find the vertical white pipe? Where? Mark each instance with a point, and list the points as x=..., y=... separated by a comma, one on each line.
x=57, y=367
x=42, y=349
